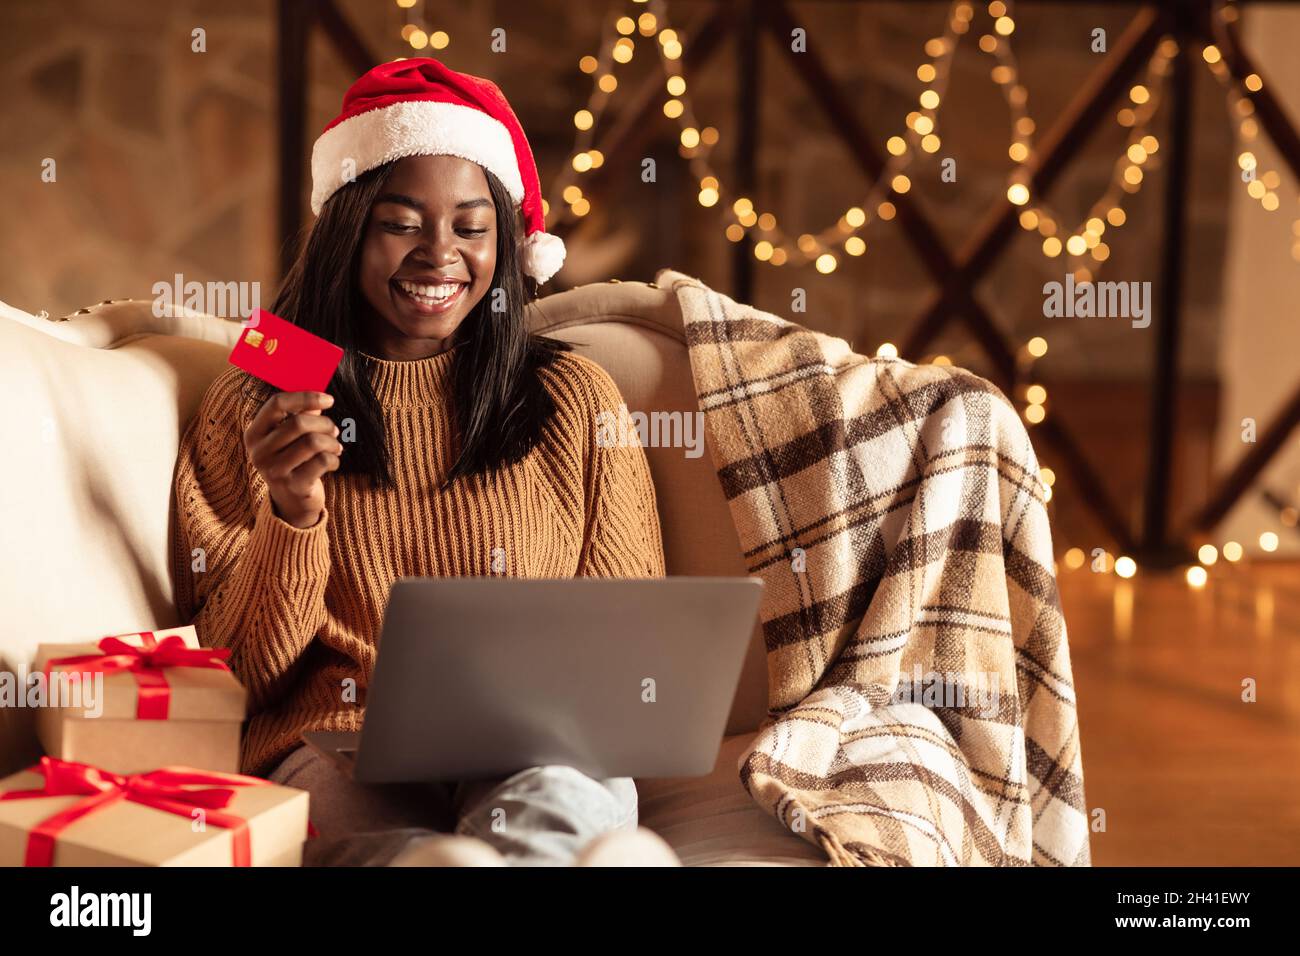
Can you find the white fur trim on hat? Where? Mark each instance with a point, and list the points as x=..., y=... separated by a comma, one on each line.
x=412, y=128
x=541, y=255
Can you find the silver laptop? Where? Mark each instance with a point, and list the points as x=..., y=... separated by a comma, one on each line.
x=618, y=677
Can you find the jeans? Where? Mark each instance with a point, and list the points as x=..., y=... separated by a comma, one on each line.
x=541, y=816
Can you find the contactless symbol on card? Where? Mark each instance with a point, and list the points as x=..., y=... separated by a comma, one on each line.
x=258, y=340
x=284, y=355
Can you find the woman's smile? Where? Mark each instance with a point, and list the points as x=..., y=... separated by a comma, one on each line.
x=425, y=296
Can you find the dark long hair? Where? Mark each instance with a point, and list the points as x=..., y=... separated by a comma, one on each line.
x=501, y=406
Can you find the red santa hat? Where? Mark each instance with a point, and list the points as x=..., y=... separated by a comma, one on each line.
x=419, y=107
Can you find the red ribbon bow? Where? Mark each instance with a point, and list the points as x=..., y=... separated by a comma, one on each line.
x=146, y=665
x=167, y=789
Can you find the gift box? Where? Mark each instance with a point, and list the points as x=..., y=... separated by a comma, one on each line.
x=62, y=813
x=164, y=701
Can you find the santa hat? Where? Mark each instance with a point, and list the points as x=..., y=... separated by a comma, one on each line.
x=418, y=107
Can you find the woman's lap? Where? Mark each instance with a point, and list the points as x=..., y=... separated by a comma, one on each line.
x=538, y=816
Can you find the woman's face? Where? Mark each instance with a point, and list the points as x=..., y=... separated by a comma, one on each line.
x=428, y=255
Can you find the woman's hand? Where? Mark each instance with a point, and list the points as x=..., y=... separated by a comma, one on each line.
x=292, y=445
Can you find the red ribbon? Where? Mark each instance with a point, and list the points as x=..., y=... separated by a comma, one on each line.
x=146, y=665
x=167, y=789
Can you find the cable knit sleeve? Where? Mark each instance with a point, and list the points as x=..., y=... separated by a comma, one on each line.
x=622, y=537
x=245, y=579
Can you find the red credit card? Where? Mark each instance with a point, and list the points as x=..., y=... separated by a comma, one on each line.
x=290, y=358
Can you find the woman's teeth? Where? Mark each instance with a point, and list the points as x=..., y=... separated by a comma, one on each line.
x=430, y=294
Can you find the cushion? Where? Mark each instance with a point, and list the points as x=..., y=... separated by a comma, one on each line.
x=713, y=821
x=85, y=506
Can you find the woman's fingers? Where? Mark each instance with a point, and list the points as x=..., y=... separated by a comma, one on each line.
x=305, y=476
x=283, y=463
x=279, y=407
x=288, y=431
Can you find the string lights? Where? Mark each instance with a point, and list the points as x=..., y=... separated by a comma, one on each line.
x=416, y=32
x=1084, y=241
x=1082, y=246
x=696, y=142
x=1261, y=186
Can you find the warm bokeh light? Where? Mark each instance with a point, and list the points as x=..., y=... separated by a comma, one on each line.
x=1197, y=576
x=1125, y=566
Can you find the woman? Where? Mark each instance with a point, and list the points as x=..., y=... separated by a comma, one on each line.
x=452, y=442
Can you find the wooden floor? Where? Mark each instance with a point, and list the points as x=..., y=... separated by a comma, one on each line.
x=1187, y=772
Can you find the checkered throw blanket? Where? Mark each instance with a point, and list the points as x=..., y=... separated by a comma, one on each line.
x=922, y=710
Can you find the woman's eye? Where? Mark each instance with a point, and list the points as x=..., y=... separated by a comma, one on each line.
x=401, y=227
x=474, y=232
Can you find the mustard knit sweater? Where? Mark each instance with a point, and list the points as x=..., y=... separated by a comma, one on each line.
x=300, y=609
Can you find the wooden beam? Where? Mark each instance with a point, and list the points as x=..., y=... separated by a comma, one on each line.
x=347, y=43
x=1163, y=418
x=294, y=19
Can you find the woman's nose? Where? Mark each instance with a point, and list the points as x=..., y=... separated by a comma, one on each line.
x=441, y=249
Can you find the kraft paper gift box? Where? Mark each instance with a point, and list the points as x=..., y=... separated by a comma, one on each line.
x=174, y=704
x=60, y=813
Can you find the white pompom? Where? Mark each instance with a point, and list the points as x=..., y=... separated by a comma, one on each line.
x=542, y=255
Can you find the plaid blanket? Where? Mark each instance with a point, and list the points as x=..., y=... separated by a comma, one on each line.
x=921, y=706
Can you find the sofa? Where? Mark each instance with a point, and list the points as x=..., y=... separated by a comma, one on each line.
x=96, y=403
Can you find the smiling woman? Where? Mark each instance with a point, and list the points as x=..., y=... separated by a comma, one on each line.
x=367, y=281
x=453, y=442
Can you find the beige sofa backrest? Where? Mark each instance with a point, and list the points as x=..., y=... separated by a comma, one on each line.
x=95, y=406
